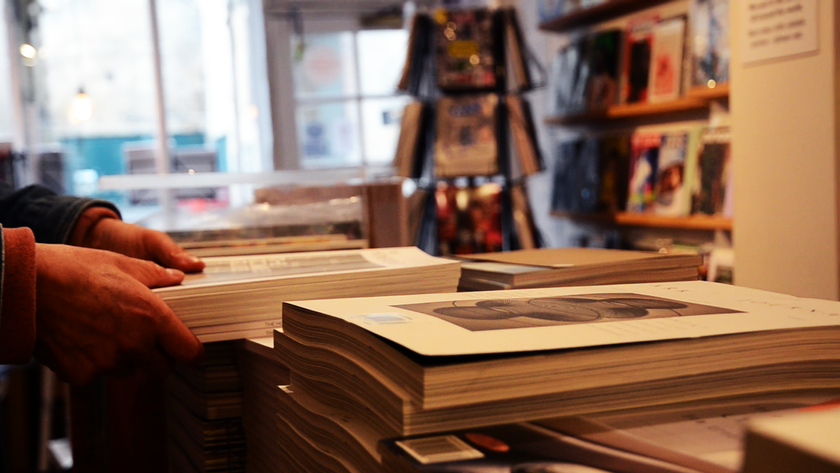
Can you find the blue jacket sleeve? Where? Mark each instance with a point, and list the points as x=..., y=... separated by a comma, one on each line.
x=50, y=216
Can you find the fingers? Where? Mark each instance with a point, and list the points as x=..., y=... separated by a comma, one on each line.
x=165, y=251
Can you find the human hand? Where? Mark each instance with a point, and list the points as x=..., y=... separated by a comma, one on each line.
x=96, y=314
x=131, y=240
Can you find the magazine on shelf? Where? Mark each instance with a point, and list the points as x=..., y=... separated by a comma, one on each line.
x=710, y=50
x=446, y=350
x=241, y=297
x=666, y=63
x=614, y=164
x=577, y=180
x=711, y=189
x=637, y=59
x=602, y=86
x=675, y=172
x=465, y=141
x=569, y=75
x=644, y=162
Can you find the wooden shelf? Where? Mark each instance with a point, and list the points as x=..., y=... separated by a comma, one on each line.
x=719, y=91
x=629, y=219
x=592, y=15
x=620, y=112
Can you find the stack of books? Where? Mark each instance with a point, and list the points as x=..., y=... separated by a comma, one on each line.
x=261, y=372
x=573, y=267
x=204, y=414
x=375, y=368
x=241, y=296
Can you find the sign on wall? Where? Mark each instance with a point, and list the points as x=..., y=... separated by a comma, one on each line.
x=776, y=29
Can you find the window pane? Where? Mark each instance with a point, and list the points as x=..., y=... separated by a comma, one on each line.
x=207, y=50
x=328, y=134
x=381, y=125
x=381, y=58
x=323, y=65
x=103, y=48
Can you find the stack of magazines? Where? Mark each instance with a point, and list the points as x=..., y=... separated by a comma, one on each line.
x=241, y=296
x=204, y=414
x=552, y=267
x=261, y=373
x=367, y=369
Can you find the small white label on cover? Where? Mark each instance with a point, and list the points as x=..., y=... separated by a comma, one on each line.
x=439, y=449
x=385, y=319
x=777, y=28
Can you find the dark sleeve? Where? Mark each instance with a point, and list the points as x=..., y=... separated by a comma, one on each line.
x=50, y=216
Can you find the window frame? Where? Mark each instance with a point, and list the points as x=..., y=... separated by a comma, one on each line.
x=285, y=103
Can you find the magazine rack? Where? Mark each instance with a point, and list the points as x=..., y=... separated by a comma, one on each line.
x=467, y=70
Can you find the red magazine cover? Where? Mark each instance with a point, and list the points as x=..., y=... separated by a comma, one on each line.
x=469, y=219
x=637, y=56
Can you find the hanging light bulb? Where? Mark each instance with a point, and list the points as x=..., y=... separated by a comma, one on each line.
x=29, y=54
x=28, y=51
x=82, y=107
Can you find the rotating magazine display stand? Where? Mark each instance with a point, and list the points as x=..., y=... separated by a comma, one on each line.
x=468, y=140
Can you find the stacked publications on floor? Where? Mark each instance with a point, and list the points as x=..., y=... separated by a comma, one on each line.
x=204, y=405
x=261, y=372
x=365, y=370
x=241, y=296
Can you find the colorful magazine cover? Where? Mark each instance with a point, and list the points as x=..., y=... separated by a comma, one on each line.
x=709, y=26
x=666, y=63
x=672, y=197
x=466, y=49
x=469, y=219
x=644, y=168
x=465, y=140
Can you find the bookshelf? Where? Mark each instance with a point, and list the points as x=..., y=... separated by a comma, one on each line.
x=697, y=103
x=715, y=92
x=596, y=14
x=635, y=110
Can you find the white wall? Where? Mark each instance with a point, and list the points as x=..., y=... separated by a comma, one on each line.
x=784, y=145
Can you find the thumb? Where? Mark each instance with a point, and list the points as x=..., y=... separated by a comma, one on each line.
x=175, y=338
